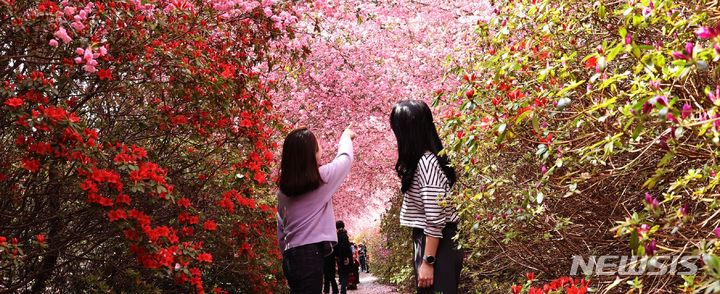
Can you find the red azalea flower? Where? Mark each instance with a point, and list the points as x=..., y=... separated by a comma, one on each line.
x=183, y=202
x=122, y=199
x=210, y=225
x=105, y=74
x=115, y=215
x=260, y=177
x=40, y=238
x=32, y=165
x=470, y=93
x=591, y=62
x=205, y=257
x=516, y=289
x=530, y=276
x=14, y=102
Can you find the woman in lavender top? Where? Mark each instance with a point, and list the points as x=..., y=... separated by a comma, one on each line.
x=306, y=221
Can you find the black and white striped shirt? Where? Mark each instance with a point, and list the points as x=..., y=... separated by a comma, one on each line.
x=423, y=205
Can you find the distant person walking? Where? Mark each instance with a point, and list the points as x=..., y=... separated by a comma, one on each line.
x=362, y=254
x=426, y=179
x=344, y=256
x=305, y=210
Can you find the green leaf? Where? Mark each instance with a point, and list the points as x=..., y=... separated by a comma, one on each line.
x=614, y=52
x=569, y=88
x=522, y=116
x=634, y=241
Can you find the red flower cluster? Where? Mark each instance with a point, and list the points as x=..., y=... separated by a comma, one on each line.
x=563, y=284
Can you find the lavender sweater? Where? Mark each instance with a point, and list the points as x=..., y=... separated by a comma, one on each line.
x=309, y=218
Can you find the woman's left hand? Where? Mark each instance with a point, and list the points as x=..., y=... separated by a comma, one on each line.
x=426, y=275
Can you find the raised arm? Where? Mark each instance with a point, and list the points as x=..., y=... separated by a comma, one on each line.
x=336, y=171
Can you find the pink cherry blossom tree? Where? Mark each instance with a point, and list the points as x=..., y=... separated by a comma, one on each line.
x=364, y=56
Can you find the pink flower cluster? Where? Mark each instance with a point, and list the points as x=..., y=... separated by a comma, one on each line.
x=233, y=8
x=283, y=20
x=89, y=58
x=78, y=17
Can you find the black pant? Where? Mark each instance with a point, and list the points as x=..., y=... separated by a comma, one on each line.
x=448, y=262
x=363, y=264
x=330, y=275
x=303, y=268
x=344, y=275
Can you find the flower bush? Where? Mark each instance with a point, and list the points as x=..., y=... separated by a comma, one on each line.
x=136, y=141
x=588, y=128
x=392, y=252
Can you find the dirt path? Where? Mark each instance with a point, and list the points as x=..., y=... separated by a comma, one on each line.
x=369, y=284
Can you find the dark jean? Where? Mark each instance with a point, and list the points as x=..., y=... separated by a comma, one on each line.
x=448, y=264
x=330, y=275
x=363, y=264
x=344, y=275
x=303, y=268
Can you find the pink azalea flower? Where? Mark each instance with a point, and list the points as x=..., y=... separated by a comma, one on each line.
x=714, y=95
x=69, y=10
x=705, y=33
x=679, y=55
x=647, y=107
x=685, y=209
x=648, y=197
x=650, y=248
x=655, y=85
x=686, y=111
x=650, y=200
x=88, y=54
x=53, y=43
x=689, y=48
x=717, y=232
x=89, y=68
x=62, y=34
x=646, y=11
x=79, y=51
x=78, y=26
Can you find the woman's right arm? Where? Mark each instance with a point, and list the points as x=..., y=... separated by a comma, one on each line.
x=339, y=168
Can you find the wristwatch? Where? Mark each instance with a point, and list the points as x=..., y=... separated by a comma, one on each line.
x=429, y=259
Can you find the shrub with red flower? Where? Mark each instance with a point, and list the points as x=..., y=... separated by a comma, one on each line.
x=124, y=124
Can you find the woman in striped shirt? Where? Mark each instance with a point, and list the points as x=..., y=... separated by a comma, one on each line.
x=426, y=179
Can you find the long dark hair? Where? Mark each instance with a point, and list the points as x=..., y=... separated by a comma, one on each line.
x=412, y=123
x=299, y=171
